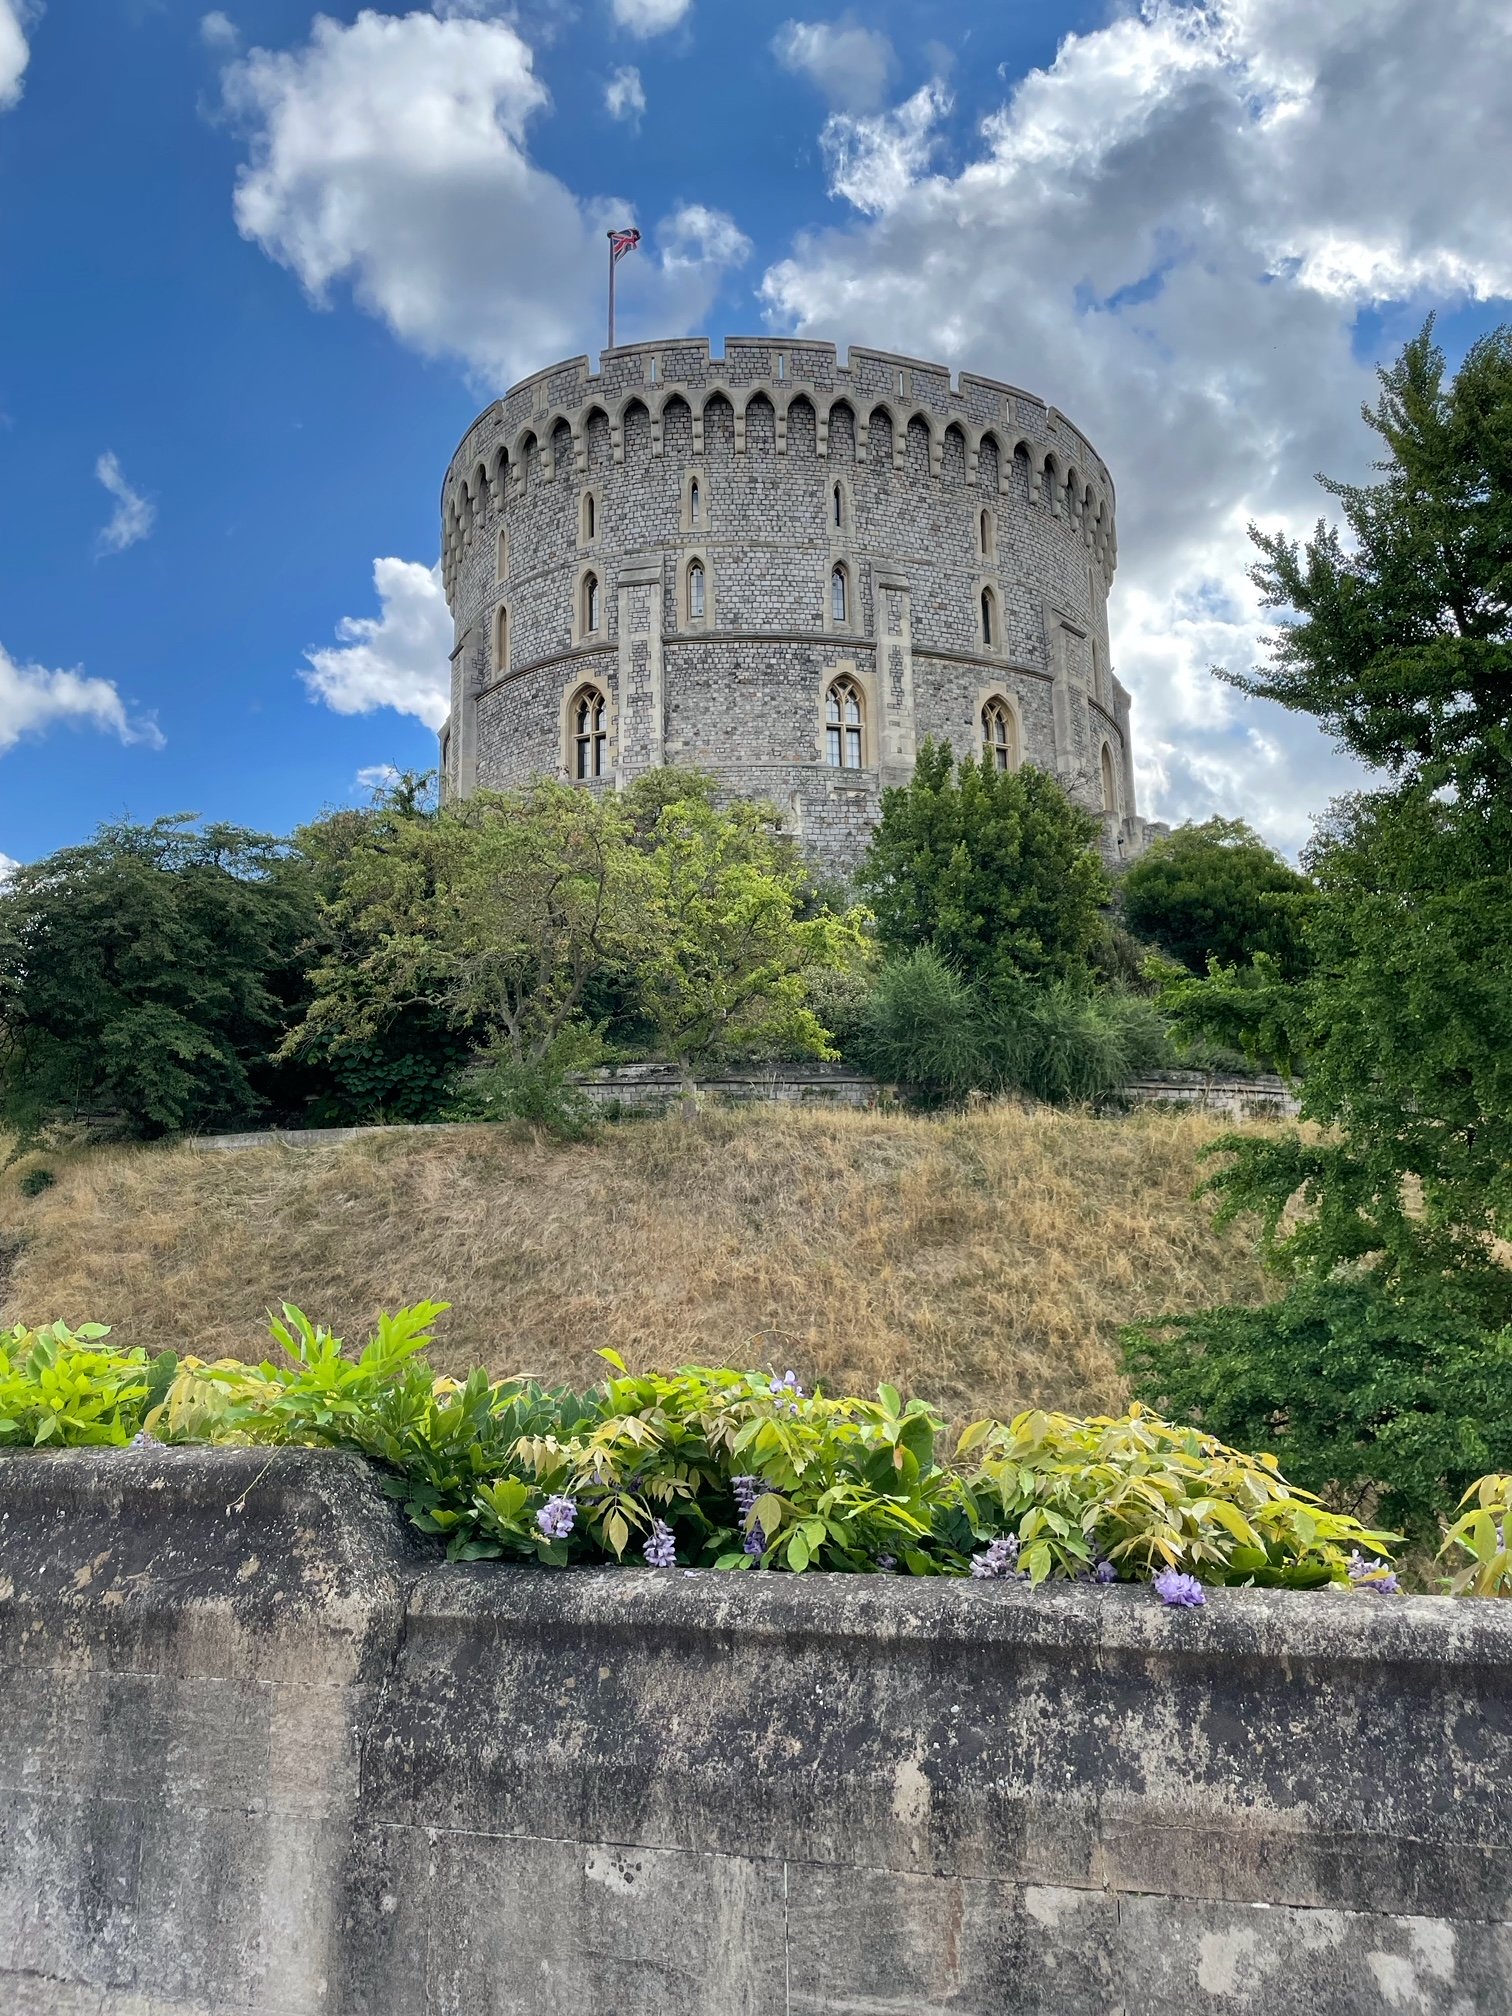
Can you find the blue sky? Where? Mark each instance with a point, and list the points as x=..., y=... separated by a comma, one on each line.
x=1193, y=226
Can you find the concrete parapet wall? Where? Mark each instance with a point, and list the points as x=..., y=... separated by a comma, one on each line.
x=263, y=1754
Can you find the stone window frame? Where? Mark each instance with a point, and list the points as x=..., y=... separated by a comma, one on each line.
x=501, y=561
x=500, y=641
x=695, y=521
x=840, y=534
x=696, y=556
x=571, y=694
x=850, y=627
x=986, y=531
x=866, y=691
x=1000, y=697
x=590, y=502
x=988, y=594
x=581, y=634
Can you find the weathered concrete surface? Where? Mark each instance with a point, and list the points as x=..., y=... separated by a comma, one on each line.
x=263, y=1754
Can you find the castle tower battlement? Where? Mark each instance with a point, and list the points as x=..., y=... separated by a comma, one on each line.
x=785, y=570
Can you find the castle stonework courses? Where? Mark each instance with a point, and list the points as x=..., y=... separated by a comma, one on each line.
x=785, y=571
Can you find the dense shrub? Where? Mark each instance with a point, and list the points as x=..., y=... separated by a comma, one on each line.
x=929, y=1028
x=1372, y=1397
x=1215, y=891
x=729, y=1469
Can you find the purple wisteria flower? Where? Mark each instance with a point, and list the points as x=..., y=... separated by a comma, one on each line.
x=887, y=1562
x=1376, y=1576
x=557, y=1517
x=1104, y=1573
x=787, y=1393
x=998, y=1561
x=660, y=1550
x=747, y=1490
x=1178, y=1591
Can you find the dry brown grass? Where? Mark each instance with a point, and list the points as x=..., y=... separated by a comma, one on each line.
x=985, y=1260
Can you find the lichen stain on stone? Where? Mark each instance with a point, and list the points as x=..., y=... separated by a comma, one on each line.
x=1047, y=1905
x=1233, y=1962
x=615, y=1872
x=85, y=1575
x=248, y=1568
x=911, y=1794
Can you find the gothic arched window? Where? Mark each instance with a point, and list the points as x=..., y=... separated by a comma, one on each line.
x=590, y=734
x=696, y=591
x=839, y=595
x=501, y=639
x=590, y=517
x=1109, y=789
x=839, y=505
x=694, y=500
x=591, y=605
x=843, y=721
x=1000, y=735
x=989, y=619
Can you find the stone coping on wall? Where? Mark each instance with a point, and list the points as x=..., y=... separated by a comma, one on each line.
x=266, y=1754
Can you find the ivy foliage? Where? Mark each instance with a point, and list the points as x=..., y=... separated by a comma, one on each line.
x=739, y=1470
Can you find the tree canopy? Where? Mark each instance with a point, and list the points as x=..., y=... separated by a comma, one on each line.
x=1402, y=648
x=993, y=870
x=146, y=975
x=1215, y=891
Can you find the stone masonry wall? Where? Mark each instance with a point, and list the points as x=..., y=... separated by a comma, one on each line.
x=266, y=1755
x=768, y=432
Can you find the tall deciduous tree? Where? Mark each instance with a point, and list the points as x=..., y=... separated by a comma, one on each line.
x=728, y=960
x=993, y=870
x=1402, y=648
x=1215, y=891
x=146, y=976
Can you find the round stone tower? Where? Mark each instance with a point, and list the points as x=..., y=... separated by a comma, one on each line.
x=785, y=571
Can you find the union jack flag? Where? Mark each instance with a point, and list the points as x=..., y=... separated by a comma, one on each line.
x=621, y=242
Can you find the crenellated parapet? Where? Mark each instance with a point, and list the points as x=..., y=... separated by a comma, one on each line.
x=539, y=429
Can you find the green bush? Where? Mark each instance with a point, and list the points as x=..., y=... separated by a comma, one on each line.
x=718, y=1468
x=35, y=1181
x=1372, y=1397
x=930, y=1029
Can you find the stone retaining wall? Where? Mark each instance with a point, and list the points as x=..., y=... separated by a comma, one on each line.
x=264, y=1754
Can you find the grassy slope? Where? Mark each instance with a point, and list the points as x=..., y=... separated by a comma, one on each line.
x=985, y=1261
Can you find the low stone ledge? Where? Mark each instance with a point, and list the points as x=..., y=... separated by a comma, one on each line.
x=266, y=1754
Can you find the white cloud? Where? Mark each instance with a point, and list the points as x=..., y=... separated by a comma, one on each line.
x=400, y=658
x=33, y=699
x=1169, y=232
x=390, y=154
x=219, y=31
x=376, y=777
x=848, y=63
x=649, y=17
x=133, y=516
x=13, y=51
x=8, y=866
x=625, y=95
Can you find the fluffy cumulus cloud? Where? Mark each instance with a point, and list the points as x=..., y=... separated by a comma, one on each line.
x=649, y=17
x=14, y=52
x=219, y=31
x=400, y=658
x=34, y=699
x=1170, y=232
x=625, y=95
x=390, y=154
x=848, y=63
x=133, y=516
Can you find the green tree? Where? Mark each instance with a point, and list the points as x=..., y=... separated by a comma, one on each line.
x=1215, y=891
x=1402, y=647
x=993, y=870
x=146, y=976
x=727, y=963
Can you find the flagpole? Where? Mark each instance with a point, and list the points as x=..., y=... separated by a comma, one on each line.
x=610, y=236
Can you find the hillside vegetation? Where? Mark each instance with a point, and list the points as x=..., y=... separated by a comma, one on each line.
x=985, y=1259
